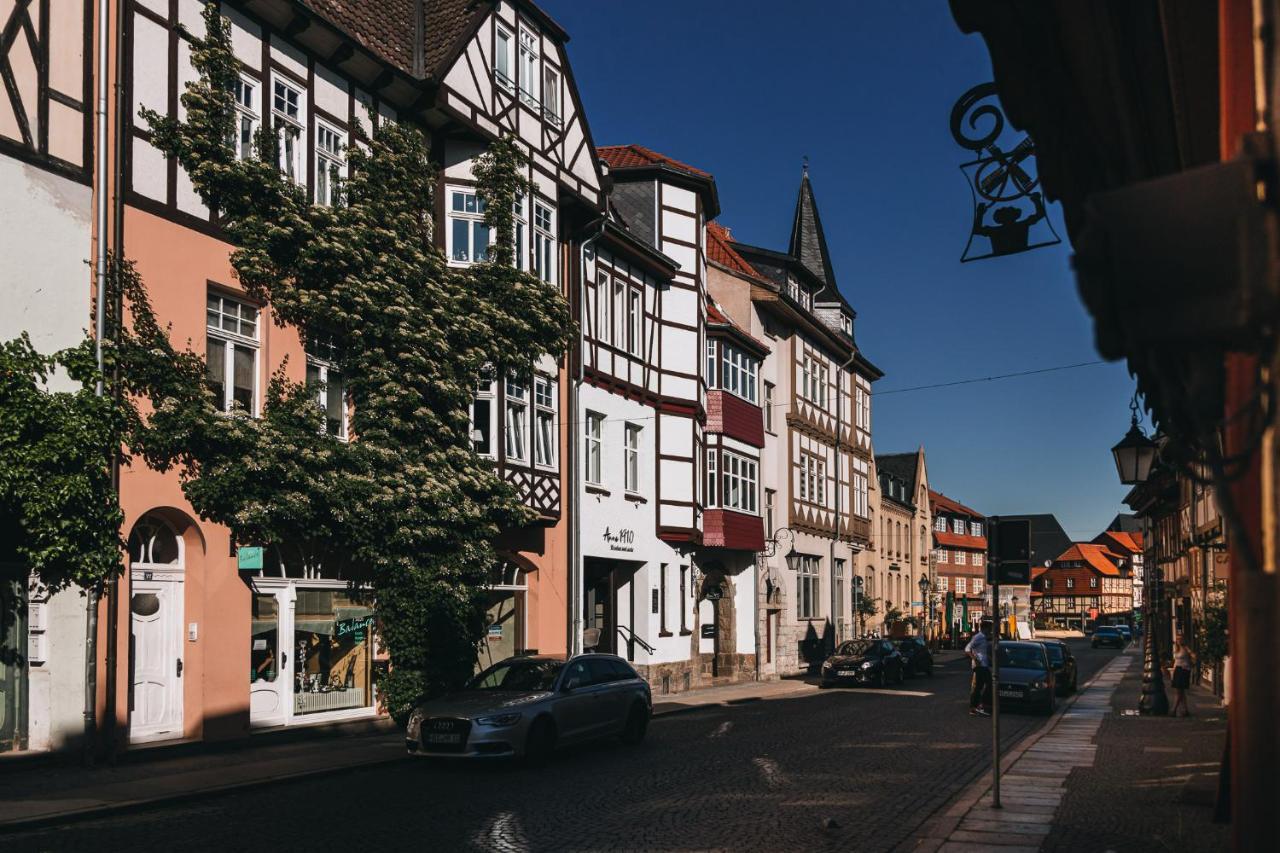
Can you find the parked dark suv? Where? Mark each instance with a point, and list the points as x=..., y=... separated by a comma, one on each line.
x=874, y=662
x=917, y=658
x=1108, y=635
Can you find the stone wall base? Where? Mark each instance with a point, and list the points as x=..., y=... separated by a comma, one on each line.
x=667, y=679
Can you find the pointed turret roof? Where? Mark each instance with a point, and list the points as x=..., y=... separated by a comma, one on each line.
x=808, y=243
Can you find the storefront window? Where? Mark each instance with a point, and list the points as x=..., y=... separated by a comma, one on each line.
x=332, y=652
x=13, y=670
x=264, y=650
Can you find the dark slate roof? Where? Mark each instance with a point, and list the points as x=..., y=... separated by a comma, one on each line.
x=1048, y=539
x=1126, y=523
x=386, y=28
x=902, y=466
x=808, y=242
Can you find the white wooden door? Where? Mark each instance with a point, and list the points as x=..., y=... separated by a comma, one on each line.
x=270, y=676
x=156, y=691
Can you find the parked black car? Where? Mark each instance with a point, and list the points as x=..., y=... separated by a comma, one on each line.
x=1108, y=635
x=1126, y=633
x=916, y=656
x=874, y=662
x=1063, y=662
x=1026, y=678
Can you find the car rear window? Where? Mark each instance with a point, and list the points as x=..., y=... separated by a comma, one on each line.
x=1021, y=657
x=1108, y=630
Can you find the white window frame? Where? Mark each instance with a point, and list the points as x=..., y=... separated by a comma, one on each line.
x=942, y=583
x=711, y=364
x=739, y=483
x=977, y=558
x=961, y=585
x=618, y=306
x=504, y=55
x=331, y=162
x=635, y=320
x=544, y=241
x=975, y=528
x=545, y=439
x=977, y=586
x=551, y=94
x=248, y=117
x=593, y=435
x=604, y=298
x=808, y=587
x=515, y=420
x=325, y=364
x=943, y=556
x=962, y=558
x=233, y=340
x=861, y=495
x=1071, y=583
x=713, y=477
x=290, y=127
x=739, y=372
x=940, y=524
x=485, y=394
x=769, y=388
x=957, y=526
x=631, y=458
x=475, y=224
x=530, y=73
x=520, y=256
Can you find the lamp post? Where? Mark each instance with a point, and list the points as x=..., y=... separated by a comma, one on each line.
x=1134, y=456
x=924, y=603
x=1014, y=601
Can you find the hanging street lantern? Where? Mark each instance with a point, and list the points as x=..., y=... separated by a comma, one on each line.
x=1135, y=453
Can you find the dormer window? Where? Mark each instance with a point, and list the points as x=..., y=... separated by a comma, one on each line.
x=529, y=77
x=504, y=59
x=846, y=324
x=798, y=293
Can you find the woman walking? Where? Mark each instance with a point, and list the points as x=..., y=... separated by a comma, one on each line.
x=1181, y=680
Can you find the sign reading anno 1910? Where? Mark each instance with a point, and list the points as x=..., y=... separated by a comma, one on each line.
x=622, y=540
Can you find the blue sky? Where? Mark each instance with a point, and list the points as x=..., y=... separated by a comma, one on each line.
x=745, y=90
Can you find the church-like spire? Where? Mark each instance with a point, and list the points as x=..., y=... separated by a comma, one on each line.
x=808, y=243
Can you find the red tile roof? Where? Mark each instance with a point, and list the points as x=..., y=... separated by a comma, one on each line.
x=940, y=501
x=960, y=540
x=639, y=157
x=386, y=27
x=720, y=250
x=1093, y=556
x=1129, y=543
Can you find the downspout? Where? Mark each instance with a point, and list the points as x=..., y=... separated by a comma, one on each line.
x=575, y=456
x=853, y=571
x=102, y=212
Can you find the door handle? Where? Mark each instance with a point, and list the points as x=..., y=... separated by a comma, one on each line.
x=179, y=667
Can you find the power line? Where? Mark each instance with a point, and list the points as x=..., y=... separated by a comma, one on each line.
x=988, y=378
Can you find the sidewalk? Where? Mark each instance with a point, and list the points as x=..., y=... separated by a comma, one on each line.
x=1096, y=777
x=48, y=792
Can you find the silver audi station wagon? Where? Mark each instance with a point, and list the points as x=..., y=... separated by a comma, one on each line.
x=526, y=707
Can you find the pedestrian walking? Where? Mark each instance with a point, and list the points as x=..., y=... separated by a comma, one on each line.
x=979, y=652
x=1181, y=677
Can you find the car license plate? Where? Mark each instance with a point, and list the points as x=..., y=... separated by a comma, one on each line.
x=1011, y=693
x=444, y=738
x=846, y=673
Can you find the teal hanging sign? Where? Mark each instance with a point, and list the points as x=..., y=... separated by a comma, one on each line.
x=249, y=558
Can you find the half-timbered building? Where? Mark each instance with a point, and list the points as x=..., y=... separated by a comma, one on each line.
x=314, y=71
x=817, y=395
x=47, y=239
x=1087, y=584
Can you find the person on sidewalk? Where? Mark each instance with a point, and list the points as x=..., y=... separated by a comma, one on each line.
x=1181, y=678
x=979, y=653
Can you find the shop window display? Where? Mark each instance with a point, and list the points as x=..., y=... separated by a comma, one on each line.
x=332, y=652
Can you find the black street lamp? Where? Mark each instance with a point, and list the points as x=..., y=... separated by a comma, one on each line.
x=924, y=602
x=1135, y=453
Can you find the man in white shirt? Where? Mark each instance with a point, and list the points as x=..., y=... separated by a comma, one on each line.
x=979, y=652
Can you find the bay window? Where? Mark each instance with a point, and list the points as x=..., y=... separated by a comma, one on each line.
x=738, y=372
x=544, y=418
x=738, y=483
x=516, y=425
x=713, y=479
x=468, y=235
x=231, y=352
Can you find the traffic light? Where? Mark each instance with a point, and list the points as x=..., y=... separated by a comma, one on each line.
x=1008, y=551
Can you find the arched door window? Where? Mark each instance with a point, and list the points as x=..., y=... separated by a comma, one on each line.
x=153, y=543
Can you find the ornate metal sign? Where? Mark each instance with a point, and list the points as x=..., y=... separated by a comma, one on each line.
x=1008, y=209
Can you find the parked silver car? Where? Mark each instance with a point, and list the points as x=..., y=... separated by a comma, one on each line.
x=528, y=706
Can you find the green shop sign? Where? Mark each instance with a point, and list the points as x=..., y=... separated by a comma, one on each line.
x=249, y=558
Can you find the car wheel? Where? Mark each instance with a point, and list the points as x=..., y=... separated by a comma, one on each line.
x=637, y=724
x=540, y=743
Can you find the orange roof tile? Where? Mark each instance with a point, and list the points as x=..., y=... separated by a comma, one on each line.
x=720, y=250
x=938, y=499
x=1094, y=556
x=1130, y=543
x=960, y=540
x=638, y=157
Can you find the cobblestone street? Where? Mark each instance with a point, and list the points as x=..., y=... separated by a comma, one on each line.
x=846, y=770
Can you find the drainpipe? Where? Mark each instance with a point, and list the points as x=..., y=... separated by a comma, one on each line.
x=575, y=456
x=102, y=213
x=853, y=572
